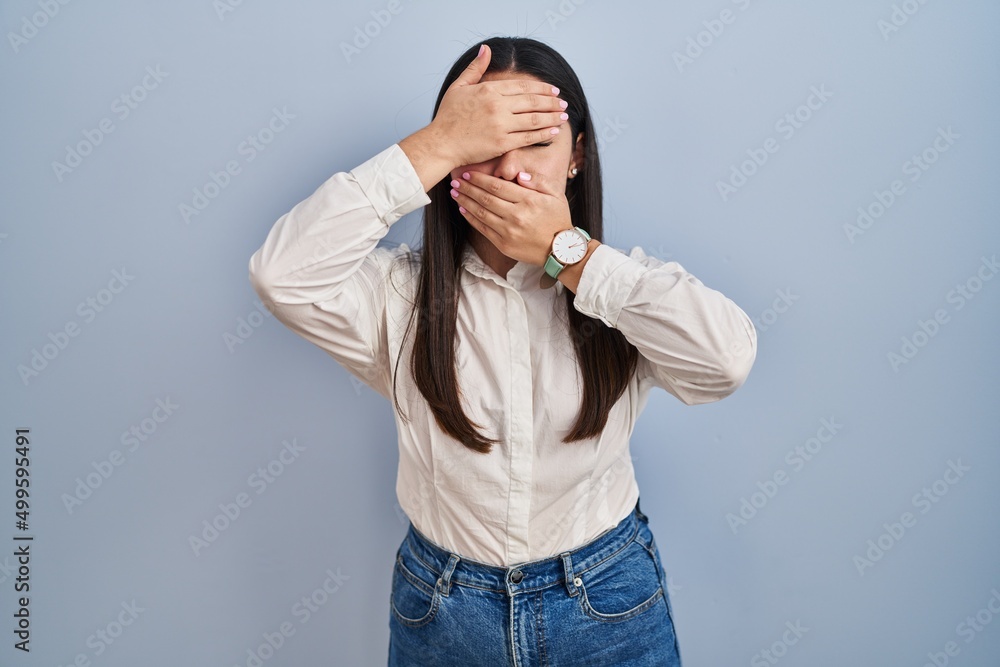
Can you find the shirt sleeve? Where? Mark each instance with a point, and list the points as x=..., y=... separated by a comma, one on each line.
x=319, y=270
x=693, y=341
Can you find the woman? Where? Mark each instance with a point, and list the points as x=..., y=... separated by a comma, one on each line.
x=534, y=350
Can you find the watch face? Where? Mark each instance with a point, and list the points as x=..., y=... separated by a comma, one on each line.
x=569, y=246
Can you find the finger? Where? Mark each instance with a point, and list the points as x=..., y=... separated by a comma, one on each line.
x=535, y=102
x=541, y=184
x=479, y=185
x=523, y=122
x=475, y=70
x=535, y=182
x=485, y=229
x=523, y=87
x=483, y=212
x=530, y=137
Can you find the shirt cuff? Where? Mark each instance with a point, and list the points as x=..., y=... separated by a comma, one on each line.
x=391, y=184
x=607, y=280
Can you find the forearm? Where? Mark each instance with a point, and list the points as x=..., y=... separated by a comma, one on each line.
x=570, y=276
x=425, y=150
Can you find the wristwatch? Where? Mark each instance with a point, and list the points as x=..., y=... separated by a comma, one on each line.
x=569, y=246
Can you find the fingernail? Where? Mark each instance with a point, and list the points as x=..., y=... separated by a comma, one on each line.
x=525, y=176
x=555, y=91
x=563, y=103
x=564, y=116
x=462, y=209
x=454, y=193
x=482, y=47
x=555, y=130
x=455, y=184
x=466, y=176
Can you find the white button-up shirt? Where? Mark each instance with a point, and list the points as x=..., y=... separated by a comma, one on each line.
x=321, y=273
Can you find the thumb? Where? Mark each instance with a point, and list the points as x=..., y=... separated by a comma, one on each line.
x=474, y=72
x=536, y=182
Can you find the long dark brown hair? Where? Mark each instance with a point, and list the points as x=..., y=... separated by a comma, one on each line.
x=607, y=360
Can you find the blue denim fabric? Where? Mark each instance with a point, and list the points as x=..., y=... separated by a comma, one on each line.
x=604, y=603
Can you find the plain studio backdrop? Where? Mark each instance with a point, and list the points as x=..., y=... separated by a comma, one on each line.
x=207, y=488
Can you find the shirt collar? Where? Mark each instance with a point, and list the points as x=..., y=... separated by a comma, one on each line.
x=523, y=276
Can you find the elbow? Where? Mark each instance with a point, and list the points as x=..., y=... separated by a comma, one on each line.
x=262, y=281
x=257, y=276
x=733, y=376
x=736, y=362
x=726, y=375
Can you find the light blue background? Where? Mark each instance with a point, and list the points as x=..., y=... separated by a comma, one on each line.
x=670, y=134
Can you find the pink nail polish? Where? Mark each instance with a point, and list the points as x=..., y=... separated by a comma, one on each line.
x=555, y=130
x=564, y=116
x=462, y=209
x=455, y=184
x=555, y=91
x=454, y=193
x=563, y=103
x=466, y=176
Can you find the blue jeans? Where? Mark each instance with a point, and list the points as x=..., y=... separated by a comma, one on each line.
x=604, y=603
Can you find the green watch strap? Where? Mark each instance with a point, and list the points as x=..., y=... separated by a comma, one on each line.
x=552, y=266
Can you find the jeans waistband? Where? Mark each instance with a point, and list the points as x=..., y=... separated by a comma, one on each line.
x=532, y=575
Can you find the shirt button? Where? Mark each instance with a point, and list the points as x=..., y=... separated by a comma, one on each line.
x=516, y=576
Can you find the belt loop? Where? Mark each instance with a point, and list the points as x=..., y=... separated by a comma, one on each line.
x=444, y=582
x=568, y=572
x=638, y=512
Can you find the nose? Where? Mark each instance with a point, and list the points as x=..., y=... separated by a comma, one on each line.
x=508, y=165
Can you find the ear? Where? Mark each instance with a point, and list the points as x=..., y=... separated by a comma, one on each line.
x=579, y=154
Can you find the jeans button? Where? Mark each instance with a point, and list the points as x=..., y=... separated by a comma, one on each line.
x=516, y=576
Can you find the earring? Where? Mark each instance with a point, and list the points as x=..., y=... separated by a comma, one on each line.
x=574, y=171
